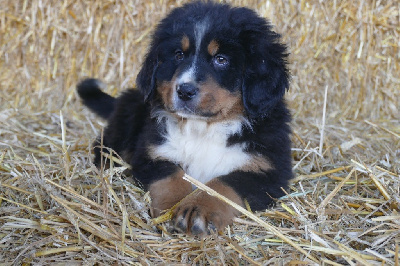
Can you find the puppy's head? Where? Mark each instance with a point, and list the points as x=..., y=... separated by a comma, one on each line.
x=213, y=62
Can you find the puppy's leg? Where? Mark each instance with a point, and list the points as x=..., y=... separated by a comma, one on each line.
x=166, y=192
x=200, y=212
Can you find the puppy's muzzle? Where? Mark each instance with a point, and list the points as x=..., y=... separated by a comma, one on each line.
x=187, y=91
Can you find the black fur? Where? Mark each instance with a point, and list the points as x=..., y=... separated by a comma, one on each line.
x=257, y=71
x=99, y=102
x=269, y=137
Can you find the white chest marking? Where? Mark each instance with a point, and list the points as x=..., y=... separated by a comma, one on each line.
x=200, y=149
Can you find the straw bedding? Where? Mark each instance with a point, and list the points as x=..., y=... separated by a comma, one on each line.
x=56, y=208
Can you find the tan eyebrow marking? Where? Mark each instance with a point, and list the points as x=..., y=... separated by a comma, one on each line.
x=185, y=43
x=213, y=47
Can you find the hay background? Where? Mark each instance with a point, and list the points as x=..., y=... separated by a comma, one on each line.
x=343, y=206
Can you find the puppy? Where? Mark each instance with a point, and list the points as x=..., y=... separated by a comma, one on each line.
x=210, y=104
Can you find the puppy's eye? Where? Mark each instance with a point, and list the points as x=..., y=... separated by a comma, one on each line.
x=220, y=61
x=179, y=55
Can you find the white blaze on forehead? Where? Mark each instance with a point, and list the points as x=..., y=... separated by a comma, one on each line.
x=199, y=32
x=189, y=75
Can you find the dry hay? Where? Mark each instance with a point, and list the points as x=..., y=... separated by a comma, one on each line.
x=55, y=207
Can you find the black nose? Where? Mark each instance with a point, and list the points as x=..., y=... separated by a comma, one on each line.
x=186, y=91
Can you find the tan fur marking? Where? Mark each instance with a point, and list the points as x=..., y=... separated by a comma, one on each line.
x=226, y=191
x=257, y=164
x=207, y=208
x=213, y=47
x=185, y=43
x=165, y=90
x=168, y=191
x=220, y=101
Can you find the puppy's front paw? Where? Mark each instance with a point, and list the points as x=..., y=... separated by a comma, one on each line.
x=168, y=191
x=200, y=214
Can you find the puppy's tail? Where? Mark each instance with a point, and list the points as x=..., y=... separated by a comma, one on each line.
x=93, y=97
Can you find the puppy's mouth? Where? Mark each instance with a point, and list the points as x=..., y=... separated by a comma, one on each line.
x=192, y=113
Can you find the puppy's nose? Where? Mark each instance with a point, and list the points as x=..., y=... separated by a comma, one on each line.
x=186, y=91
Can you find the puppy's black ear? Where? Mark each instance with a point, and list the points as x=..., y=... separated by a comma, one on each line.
x=146, y=81
x=266, y=76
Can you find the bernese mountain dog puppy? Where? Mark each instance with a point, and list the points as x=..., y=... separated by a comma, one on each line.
x=210, y=104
